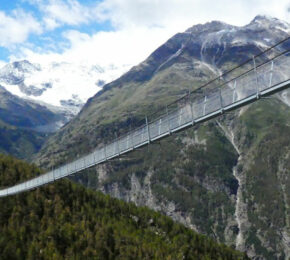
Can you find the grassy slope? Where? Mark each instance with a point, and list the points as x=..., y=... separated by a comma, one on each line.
x=18, y=118
x=120, y=106
x=19, y=142
x=64, y=220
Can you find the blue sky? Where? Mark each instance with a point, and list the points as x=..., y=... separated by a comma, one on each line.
x=112, y=31
x=40, y=34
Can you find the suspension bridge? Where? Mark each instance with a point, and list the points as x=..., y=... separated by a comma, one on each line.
x=262, y=75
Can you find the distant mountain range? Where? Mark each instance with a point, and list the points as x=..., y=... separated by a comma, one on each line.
x=38, y=99
x=228, y=178
x=63, y=85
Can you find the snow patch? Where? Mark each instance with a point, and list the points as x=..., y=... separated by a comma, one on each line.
x=261, y=44
x=176, y=54
x=283, y=29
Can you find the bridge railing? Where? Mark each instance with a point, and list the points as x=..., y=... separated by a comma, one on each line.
x=227, y=92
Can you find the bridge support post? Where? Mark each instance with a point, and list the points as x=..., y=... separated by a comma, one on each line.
x=159, y=127
x=127, y=141
x=221, y=100
x=256, y=74
x=271, y=73
x=234, y=92
x=94, y=155
x=179, y=117
x=204, y=104
x=117, y=143
x=132, y=139
x=148, y=130
x=53, y=174
x=130, y=135
x=168, y=120
x=142, y=135
x=191, y=108
x=105, y=152
x=221, y=97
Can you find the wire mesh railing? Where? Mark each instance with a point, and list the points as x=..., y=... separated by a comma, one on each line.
x=264, y=74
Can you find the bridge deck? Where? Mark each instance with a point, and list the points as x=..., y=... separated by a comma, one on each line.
x=266, y=79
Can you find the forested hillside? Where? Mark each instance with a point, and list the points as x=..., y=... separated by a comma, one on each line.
x=66, y=221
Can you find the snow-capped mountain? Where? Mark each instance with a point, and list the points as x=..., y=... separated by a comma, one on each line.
x=64, y=85
x=213, y=39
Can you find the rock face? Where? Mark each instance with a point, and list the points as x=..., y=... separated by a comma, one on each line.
x=228, y=178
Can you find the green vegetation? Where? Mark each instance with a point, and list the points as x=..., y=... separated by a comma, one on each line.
x=65, y=221
x=267, y=175
x=120, y=106
x=197, y=178
x=20, y=123
x=19, y=142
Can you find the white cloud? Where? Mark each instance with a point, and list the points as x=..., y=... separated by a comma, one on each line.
x=143, y=25
x=119, y=48
x=17, y=27
x=64, y=12
x=184, y=13
x=76, y=38
x=50, y=23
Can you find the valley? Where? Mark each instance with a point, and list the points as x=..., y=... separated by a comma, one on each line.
x=227, y=178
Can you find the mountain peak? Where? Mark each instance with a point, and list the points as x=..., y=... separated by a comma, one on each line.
x=24, y=66
x=261, y=17
x=212, y=26
x=268, y=20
